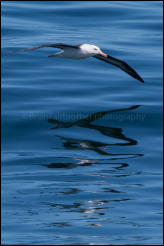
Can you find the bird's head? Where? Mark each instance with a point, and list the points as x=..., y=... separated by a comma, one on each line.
x=93, y=50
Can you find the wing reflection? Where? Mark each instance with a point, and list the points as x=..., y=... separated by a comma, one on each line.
x=99, y=147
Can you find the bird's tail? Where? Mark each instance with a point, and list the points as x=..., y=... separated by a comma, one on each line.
x=52, y=55
x=58, y=54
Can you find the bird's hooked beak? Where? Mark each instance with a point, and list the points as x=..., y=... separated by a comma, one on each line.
x=102, y=53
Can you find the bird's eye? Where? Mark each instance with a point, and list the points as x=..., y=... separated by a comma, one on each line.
x=95, y=48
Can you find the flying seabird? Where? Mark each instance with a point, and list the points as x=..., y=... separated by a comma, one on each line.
x=83, y=51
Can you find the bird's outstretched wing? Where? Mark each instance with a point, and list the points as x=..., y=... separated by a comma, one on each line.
x=121, y=64
x=58, y=45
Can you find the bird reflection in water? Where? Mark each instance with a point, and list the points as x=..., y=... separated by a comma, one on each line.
x=96, y=146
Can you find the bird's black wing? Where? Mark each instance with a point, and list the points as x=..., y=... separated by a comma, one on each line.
x=58, y=45
x=121, y=64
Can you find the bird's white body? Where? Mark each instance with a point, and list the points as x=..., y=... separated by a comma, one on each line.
x=72, y=54
x=85, y=51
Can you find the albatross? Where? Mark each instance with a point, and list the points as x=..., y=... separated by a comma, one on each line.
x=83, y=51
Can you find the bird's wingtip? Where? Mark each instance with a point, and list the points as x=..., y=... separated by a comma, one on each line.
x=141, y=80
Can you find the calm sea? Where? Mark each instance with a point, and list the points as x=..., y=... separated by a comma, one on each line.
x=81, y=140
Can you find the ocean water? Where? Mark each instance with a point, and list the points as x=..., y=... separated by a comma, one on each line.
x=81, y=140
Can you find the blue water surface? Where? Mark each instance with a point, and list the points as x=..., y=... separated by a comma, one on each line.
x=81, y=140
